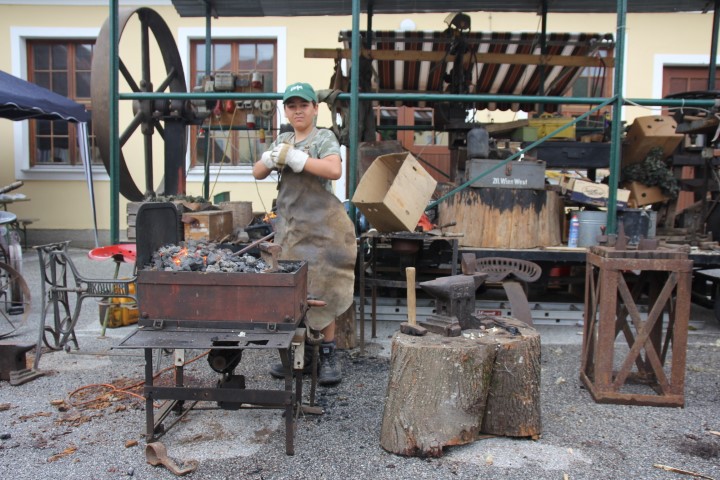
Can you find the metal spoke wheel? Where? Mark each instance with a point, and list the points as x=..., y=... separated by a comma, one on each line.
x=168, y=117
x=15, y=295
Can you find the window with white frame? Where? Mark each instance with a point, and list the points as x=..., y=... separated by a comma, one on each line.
x=191, y=43
x=235, y=131
x=58, y=59
x=63, y=67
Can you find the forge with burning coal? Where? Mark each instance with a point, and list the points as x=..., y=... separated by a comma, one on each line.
x=194, y=256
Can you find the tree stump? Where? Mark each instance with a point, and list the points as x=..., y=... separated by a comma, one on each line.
x=345, y=329
x=445, y=391
x=504, y=217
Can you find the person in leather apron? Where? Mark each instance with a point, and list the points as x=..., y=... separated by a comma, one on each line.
x=312, y=224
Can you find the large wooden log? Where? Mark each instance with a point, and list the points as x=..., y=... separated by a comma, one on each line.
x=445, y=391
x=513, y=404
x=504, y=217
x=345, y=329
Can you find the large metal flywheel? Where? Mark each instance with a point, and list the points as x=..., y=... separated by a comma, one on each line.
x=168, y=117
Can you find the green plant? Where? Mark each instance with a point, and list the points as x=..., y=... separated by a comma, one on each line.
x=653, y=172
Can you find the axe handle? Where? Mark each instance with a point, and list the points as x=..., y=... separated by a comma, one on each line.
x=410, y=280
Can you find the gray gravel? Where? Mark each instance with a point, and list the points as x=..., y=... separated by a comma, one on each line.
x=581, y=439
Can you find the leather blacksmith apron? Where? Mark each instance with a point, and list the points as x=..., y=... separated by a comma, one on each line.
x=312, y=225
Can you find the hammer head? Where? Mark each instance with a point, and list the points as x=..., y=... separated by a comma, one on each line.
x=415, y=330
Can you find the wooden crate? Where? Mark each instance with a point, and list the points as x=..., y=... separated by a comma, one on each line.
x=210, y=225
x=645, y=133
x=650, y=369
x=394, y=192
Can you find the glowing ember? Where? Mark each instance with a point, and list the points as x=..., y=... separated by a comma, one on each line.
x=209, y=257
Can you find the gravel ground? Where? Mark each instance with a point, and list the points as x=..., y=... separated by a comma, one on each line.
x=49, y=432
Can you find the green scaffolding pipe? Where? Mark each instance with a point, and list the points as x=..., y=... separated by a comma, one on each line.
x=114, y=126
x=427, y=97
x=208, y=69
x=616, y=127
x=354, y=105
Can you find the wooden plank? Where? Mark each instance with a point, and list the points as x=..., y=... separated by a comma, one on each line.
x=495, y=58
x=502, y=127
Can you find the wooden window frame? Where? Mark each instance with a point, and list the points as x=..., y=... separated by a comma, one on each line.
x=606, y=91
x=74, y=156
x=252, y=137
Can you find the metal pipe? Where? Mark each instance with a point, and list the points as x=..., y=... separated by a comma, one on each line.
x=616, y=127
x=543, y=50
x=208, y=69
x=354, y=105
x=254, y=244
x=114, y=129
x=428, y=97
x=714, y=46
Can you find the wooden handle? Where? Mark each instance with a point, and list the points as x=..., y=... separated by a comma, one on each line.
x=410, y=279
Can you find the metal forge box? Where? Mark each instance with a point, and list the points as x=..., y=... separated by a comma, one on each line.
x=222, y=300
x=226, y=313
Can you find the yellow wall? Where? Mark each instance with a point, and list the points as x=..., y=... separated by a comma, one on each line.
x=65, y=205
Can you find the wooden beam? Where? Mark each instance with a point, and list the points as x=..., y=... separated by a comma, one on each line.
x=502, y=58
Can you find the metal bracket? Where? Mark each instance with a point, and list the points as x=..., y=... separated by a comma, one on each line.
x=179, y=357
x=298, y=346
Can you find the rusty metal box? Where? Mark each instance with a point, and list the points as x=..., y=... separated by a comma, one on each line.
x=226, y=300
x=526, y=174
x=548, y=123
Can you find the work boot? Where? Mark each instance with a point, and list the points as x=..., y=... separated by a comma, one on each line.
x=278, y=371
x=330, y=372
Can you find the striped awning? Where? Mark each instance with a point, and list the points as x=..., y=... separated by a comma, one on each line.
x=512, y=78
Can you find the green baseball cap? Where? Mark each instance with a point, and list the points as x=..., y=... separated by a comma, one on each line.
x=302, y=90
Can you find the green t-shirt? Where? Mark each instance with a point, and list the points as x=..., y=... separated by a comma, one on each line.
x=319, y=145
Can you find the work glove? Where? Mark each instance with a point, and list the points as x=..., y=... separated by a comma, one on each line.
x=285, y=154
x=267, y=160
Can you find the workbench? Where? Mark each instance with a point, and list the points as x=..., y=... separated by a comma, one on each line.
x=371, y=270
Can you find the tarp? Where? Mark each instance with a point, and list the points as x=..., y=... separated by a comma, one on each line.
x=21, y=100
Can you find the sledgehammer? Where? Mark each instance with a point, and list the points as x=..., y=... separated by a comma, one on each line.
x=411, y=327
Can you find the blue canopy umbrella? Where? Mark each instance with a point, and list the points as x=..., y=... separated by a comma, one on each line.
x=21, y=100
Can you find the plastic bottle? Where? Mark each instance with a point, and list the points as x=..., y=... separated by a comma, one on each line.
x=574, y=231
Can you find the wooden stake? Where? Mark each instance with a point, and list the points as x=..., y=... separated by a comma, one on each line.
x=683, y=472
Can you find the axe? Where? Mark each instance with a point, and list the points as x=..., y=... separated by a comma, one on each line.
x=411, y=327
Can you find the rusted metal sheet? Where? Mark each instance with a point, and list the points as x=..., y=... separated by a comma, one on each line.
x=207, y=299
x=613, y=290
